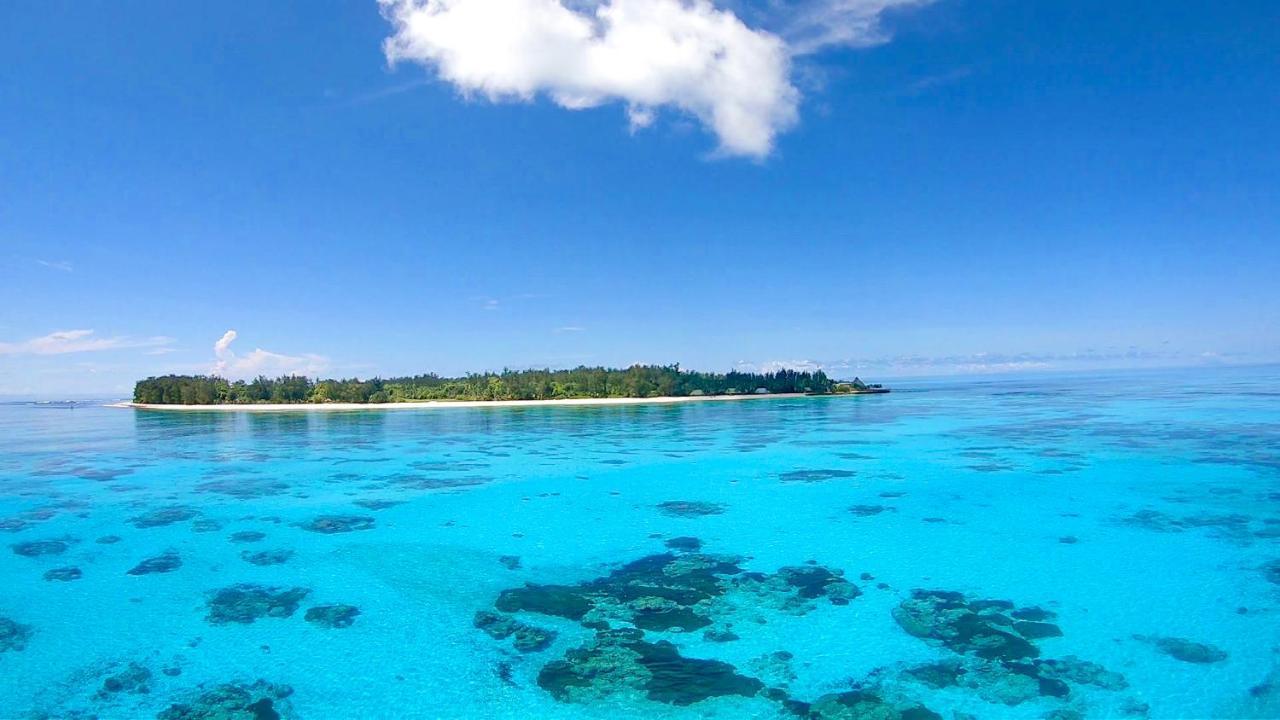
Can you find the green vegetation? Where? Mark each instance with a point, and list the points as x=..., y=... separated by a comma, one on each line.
x=638, y=381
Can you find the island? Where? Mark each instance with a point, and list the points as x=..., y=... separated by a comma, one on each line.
x=581, y=385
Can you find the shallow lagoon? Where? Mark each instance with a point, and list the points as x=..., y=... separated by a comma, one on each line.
x=1104, y=546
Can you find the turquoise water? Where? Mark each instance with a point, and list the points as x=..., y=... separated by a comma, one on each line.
x=738, y=559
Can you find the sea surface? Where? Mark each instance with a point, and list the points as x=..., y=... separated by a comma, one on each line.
x=1099, y=546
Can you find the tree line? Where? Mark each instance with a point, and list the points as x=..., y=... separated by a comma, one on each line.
x=638, y=381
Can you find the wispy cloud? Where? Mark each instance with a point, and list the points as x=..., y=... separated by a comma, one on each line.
x=60, y=265
x=62, y=342
x=688, y=56
x=230, y=365
x=570, y=329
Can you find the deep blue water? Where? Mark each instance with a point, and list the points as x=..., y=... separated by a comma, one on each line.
x=820, y=557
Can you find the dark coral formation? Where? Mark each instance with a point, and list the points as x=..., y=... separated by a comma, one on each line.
x=12, y=524
x=266, y=557
x=330, y=524
x=1185, y=650
x=244, y=488
x=684, y=544
x=510, y=562
x=259, y=700
x=811, y=476
x=527, y=638
x=63, y=574
x=13, y=635
x=864, y=705
x=375, y=504
x=675, y=593
x=246, y=602
x=168, y=561
x=690, y=508
x=1271, y=571
x=40, y=548
x=988, y=629
x=995, y=641
x=108, y=540
x=332, y=616
x=870, y=510
x=621, y=659
x=134, y=679
x=204, y=525
x=164, y=516
x=680, y=591
x=247, y=536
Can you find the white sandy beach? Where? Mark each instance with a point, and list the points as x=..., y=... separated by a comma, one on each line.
x=434, y=404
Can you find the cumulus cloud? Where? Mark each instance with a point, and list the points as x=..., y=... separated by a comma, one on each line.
x=229, y=365
x=61, y=342
x=686, y=55
x=647, y=54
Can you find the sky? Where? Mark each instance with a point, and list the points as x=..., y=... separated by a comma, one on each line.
x=876, y=187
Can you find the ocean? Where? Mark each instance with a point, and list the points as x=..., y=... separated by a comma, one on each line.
x=1061, y=546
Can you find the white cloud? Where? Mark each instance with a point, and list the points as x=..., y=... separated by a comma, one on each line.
x=74, y=341
x=229, y=365
x=686, y=55
x=61, y=265
x=570, y=329
x=647, y=54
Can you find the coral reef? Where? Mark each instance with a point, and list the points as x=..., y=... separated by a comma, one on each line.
x=527, y=638
x=246, y=602
x=330, y=524
x=332, y=616
x=168, y=561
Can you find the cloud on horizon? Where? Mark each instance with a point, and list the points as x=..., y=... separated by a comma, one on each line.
x=61, y=342
x=229, y=365
x=686, y=55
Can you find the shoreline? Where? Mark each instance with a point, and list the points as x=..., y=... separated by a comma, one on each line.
x=438, y=404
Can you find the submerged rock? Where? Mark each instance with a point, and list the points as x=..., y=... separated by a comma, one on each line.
x=510, y=562
x=246, y=602
x=13, y=635
x=690, y=508
x=260, y=700
x=332, y=616
x=63, y=574
x=40, y=548
x=528, y=638
x=330, y=524
x=619, y=661
x=108, y=540
x=164, y=516
x=1184, y=650
x=247, y=536
x=167, y=561
x=266, y=557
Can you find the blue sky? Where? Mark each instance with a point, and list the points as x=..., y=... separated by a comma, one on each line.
x=883, y=187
